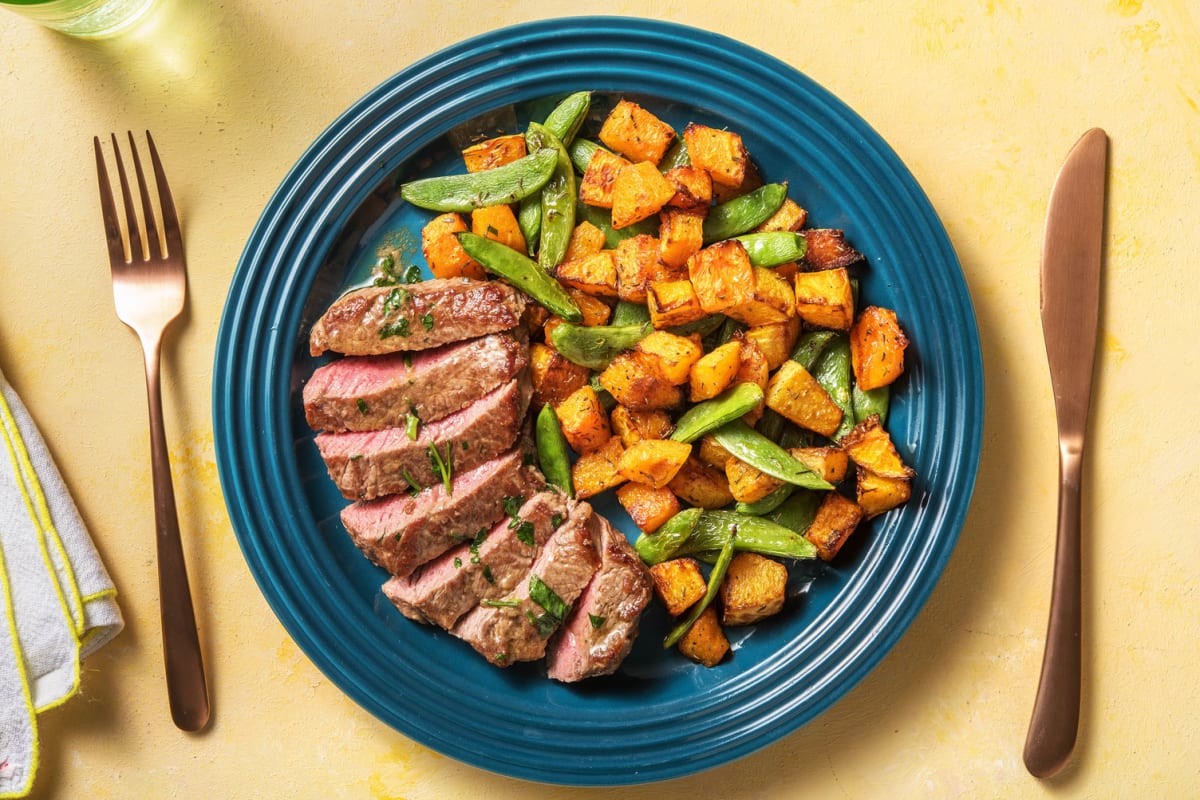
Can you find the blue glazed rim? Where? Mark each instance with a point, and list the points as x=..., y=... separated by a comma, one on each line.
x=649, y=722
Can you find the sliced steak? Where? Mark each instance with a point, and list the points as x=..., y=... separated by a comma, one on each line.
x=386, y=319
x=604, y=623
x=452, y=584
x=367, y=393
x=370, y=464
x=517, y=626
x=400, y=532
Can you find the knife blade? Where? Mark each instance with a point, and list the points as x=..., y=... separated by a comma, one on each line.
x=1072, y=252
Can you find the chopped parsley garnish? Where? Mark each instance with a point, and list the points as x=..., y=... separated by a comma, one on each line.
x=512, y=505
x=596, y=621
x=500, y=603
x=363, y=408
x=427, y=320
x=412, y=274
x=487, y=574
x=413, y=486
x=442, y=466
x=457, y=562
x=394, y=299
x=553, y=607
x=407, y=359
x=525, y=533
x=556, y=520
x=476, y=543
x=397, y=328
x=412, y=425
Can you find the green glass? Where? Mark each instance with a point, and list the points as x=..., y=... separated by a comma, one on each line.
x=88, y=19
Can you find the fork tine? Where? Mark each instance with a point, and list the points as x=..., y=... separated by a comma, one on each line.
x=153, y=243
x=108, y=208
x=170, y=218
x=136, y=252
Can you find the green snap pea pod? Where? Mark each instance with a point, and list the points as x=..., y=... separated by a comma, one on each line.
x=654, y=548
x=770, y=249
x=607, y=401
x=553, y=455
x=567, y=117
x=764, y=455
x=834, y=375
x=529, y=220
x=754, y=535
x=868, y=402
x=581, y=151
x=743, y=213
x=629, y=313
x=494, y=187
x=795, y=436
x=602, y=219
x=810, y=347
x=714, y=585
x=558, y=199
x=728, y=328
x=771, y=424
x=729, y=405
x=798, y=511
x=769, y=503
x=677, y=155
x=522, y=272
x=703, y=326
x=595, y=346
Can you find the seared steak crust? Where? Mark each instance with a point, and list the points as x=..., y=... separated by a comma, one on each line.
x=452, y=584
x=369, y=393
x=370, y=464
x=386, y=319
x=400, y=532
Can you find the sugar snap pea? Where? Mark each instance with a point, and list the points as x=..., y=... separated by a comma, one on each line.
x=595, y=346
x=798, y=511
x=553, y=455
x=764, y=455
x=743, y=213
x=703, y=326
x=654, y=548
x=602, y=219
x=714, y=585
x=629, y=313
x=695, y=531
x=529, y=220
x=677, y=155
x=581, y=151
x=712, y=414
x=767, y=504
x=810, y=347
x=493, y=187
x=522, y=272
x=870, y=402
x=558, y=199
x=834, y=374
x=568, y=116
x=770, y=249
x=606, y=400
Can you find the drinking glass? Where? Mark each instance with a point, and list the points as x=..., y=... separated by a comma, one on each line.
x=87, y=19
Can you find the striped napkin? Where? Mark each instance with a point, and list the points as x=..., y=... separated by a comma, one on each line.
x=57, y=602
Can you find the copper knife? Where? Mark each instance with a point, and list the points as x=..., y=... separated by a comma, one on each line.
x=1070, y=288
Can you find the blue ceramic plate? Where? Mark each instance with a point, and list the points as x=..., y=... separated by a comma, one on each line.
x=660, y=716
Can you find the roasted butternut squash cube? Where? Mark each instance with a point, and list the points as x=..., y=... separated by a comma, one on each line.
x=494, y=152
x=648, y=507
x=713, y=452
x=680, y=236
x=870, y=446
x=554, y=377
x=596, y=186
x=878, y=493
x=595, y=311
x=877, y=344
x=836, y=519
x=634, y=426
x=776, y=340
x=788, y=271
x=443, y=253
x=755, y=588
x=595, y=274
x=747, y=484
x=789, y=217
x=753, y=180
x=828, y=249
x=720, y=153
x=640, y=191
x=670, y=356
x=584, y=421
x=831, y=463
x=586, y=240
x=705, y=642
x=637, y=386
x=701, y=485
x=693, y=189
x=722, y=277
x=795, y=393
x=595, y=472
x=771, y=299
x=673, y=303
x=499, y=223
x=637, y=265
x=635, y=133
x=679, y=583
x=824, y=299
x=714, y=372
x=654, y=462
x=752, y=364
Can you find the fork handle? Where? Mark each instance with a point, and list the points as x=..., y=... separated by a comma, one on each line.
x=1055, y=721
x=187, y=689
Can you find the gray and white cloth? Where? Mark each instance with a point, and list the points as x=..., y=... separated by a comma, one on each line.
x=57, y=602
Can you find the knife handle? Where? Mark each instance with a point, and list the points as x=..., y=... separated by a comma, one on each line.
x=1055, y=722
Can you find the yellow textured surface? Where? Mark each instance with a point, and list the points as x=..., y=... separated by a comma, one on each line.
x=981, y=98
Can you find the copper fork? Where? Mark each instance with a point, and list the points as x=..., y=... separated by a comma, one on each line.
x=149, y=286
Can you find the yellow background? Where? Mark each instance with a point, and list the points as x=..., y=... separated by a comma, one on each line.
x=982, y=100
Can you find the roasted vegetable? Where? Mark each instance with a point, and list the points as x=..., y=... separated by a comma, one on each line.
x=693, y=189
x=637, y=266
x=705, y=642
x=721, y=153
x=554, y=377
x=444, y=255
x=653, y=462
x=633, y=426
x=647, y=506
x=824, y=299
x=828, y=249
x=594, y=472
x=583, y=420
x=695, y=531
x=836, y=519
x=557, y=199
x=553, y=458
x=637, y=386
x=567, y=117
x=669, y=355
x=522, y=273
x=499, y=186
x=494, y=152
x=599, y=177
x=596, y=346
x=673, y=303
x=499, y=223
x=877, y=345
x=745, y=443
x=714, y=372
x=639, y=192
x=635, y=133
x=754, y=589
x=744, y=213
x=594, y=274
x=795, y=393
x=712, y=414
x=701, y=485
x=679, y=584
x=714, y=586
x=770, y=249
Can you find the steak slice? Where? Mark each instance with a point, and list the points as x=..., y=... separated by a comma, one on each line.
x=400, y=532
x=604, y=623
x=452, y=584
x=386, y=319
x=367, y=393
x=517, y=626
x=370, y=464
